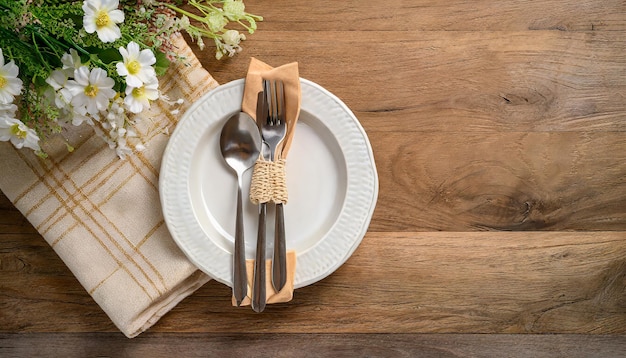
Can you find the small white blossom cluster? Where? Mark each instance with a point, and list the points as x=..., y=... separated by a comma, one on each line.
x=96, y=62
x=227, y=41
x=11, y=128
x=85, y=94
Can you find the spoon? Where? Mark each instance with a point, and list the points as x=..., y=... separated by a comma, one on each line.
x=240, y=143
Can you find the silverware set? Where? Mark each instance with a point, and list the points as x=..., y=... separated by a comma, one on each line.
x=273, y=128
x=238, y=142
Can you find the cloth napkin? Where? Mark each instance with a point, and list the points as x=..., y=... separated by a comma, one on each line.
x=102, y=215
x=289, y=74
x=284, y=295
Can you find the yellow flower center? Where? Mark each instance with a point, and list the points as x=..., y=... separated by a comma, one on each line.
x=138, y=92
x=18, y=132
x=102, y=19
x=91, y=91
x=3, y=81
x=133, y=67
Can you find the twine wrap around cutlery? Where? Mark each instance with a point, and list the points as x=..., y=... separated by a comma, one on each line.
x=269, y=183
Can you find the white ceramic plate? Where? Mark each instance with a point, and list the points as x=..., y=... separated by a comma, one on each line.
x=331, y=179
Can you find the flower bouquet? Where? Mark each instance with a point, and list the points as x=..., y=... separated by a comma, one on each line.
x=69, y=63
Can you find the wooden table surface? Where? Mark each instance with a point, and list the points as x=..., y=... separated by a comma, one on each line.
x=499, y=134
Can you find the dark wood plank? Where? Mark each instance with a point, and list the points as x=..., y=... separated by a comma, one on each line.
x=450, y=81
x=500, y=181
x=429, y=15
x=446, y=282
x=39, y=293
x=394, y=283
x=434, y=122
x=11, y=220
x=311, y=345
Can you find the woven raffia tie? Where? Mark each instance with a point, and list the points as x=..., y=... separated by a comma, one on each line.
x=269, y=182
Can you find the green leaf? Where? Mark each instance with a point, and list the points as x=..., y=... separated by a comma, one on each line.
x=162, y=63
x=108, y=55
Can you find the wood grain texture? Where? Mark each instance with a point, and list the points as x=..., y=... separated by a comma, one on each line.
x=310, y=345
x=499, y=133
x=539, y=81
x=433, y=15
x=496, y=282
x=510, y=181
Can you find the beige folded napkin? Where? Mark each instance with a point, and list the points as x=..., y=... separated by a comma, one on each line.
x=284, y=295
x=289, y=74
x=102, y=215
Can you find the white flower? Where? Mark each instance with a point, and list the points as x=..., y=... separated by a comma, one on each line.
x=102, y=16
x=10, y=85
x=18, y=133
x=78, y=119
x=115, y=128
x=233, y=38
x=183, y=22
x=8, y=109
x=91, y=90
x=58, y=81
x=71, y=61
x=230, y=45
x=136, y=65
x=63, y=98
x=138, y=98
x=216, y=21
x=234, y=10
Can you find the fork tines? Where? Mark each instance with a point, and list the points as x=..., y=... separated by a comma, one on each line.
x=275, y=94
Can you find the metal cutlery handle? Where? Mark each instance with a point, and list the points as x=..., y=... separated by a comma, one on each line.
x=274, y=132
x=279, y=261
x=258, y=288
x=240, y=279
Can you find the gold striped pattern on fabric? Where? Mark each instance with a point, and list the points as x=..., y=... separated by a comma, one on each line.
x=101, y=214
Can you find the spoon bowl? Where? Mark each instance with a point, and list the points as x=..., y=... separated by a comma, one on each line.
x=240, y=144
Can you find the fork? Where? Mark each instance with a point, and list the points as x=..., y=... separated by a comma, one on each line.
x=273, y=132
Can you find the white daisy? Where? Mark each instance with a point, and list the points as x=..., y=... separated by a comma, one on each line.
x=136, y=65
x=102, y=16
x=18, y=133
x=91, y=90
x=138, y=98
x=10, y=84
x=62, y=95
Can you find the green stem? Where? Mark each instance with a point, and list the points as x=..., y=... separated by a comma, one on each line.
x=43, y=61
x=250, y=29
x=205, y=9
x=184, y=12
x=47, y=39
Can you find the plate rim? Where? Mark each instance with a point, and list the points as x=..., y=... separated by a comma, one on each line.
x=168, y=154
